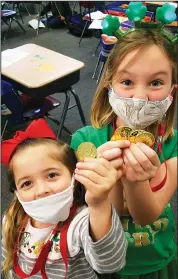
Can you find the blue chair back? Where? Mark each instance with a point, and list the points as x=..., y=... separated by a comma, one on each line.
x=11, y=105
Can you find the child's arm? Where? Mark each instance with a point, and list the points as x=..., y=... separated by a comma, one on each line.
x=102, y=237
x=99, y=177
x=144, y=205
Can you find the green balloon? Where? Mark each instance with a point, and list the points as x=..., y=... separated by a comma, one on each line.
x=136, y=11
x=166, y=14
x=110, y=25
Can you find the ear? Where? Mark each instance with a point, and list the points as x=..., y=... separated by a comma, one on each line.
x=174, y=89
x=107, y=85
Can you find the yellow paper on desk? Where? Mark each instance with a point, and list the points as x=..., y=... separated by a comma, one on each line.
x=46, y=67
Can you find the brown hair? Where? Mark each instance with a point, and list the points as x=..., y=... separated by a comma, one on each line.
x=101, y=113
x=14, y=216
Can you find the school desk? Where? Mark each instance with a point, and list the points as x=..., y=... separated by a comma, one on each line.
x=39, y=72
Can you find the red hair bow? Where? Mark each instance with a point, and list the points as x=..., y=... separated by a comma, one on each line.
x=37, y=129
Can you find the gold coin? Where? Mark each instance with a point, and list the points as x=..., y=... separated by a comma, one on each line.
x=122, y=133
x=146, y=137
x=116, y=137
x=134, y=134
x=142, y=136
x=86, y=150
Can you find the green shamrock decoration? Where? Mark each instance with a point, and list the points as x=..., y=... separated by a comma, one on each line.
x=136, y=11
x=166, y=14
x=110, y=24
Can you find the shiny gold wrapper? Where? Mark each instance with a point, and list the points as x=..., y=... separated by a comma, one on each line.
x=86, y=150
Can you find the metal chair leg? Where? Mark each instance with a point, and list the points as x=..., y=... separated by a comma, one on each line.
x=77, y=100
x=82, y=33
x=20, y=14
x=19, y=24
x=94, y=54
x=96, y=67
x=58, y=122
x=64, y=113
x=9, y=27
x=39, y=12
x=26, y=9
x=74, y=6
x=100, y=72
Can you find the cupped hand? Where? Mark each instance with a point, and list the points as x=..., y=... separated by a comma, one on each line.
x=112, y=152
x=141, y=163
x=98, y=177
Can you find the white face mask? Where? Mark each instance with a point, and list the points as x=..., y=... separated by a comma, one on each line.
x=51, y=209
x=138, y=113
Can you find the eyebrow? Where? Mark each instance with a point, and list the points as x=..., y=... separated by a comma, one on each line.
x=46, y=170
x=154, y=74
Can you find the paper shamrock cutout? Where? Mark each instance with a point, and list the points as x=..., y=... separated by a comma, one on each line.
x=136, y=11
x=110, y=25
x=166, y=14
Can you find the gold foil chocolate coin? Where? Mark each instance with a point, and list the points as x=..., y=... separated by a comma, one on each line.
x=86, y=150
x=122, y=133
x=146, y=137
x=142, y=136
x=134, y=134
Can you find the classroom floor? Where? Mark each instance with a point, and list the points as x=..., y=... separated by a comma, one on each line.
x=60, y=40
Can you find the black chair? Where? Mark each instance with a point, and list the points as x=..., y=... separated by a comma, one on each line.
x=18, y=108
x=8, y=16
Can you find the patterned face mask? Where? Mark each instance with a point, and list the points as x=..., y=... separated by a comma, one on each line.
x=139, y=113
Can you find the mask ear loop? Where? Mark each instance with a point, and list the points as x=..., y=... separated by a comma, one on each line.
x=161, y=130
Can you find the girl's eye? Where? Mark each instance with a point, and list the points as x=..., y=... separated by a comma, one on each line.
x=127, y=82
x=52, y=175
x=26, y=184
x=156, y=83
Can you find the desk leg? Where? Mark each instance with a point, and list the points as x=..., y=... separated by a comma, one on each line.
x=64, y=113
x=79, y=106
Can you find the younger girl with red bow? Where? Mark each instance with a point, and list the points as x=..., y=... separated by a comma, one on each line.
x=48, y=230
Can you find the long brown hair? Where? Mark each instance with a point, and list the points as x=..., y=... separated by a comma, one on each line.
x=101, y=113
x=14, y=216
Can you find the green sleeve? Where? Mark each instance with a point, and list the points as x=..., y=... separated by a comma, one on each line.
x=90, y=134
x=82, y=135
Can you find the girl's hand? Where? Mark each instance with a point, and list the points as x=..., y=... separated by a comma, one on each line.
x=141, y=163
x=98, y=176
x=112, y=152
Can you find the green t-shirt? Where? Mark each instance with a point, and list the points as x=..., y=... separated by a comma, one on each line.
x=151, y=247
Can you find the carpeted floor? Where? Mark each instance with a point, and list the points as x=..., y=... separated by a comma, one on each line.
x=62, y=41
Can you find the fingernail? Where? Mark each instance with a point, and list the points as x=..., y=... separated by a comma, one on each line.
x=78, y=165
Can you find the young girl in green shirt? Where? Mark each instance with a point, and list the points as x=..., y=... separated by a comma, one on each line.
x=138, y=89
